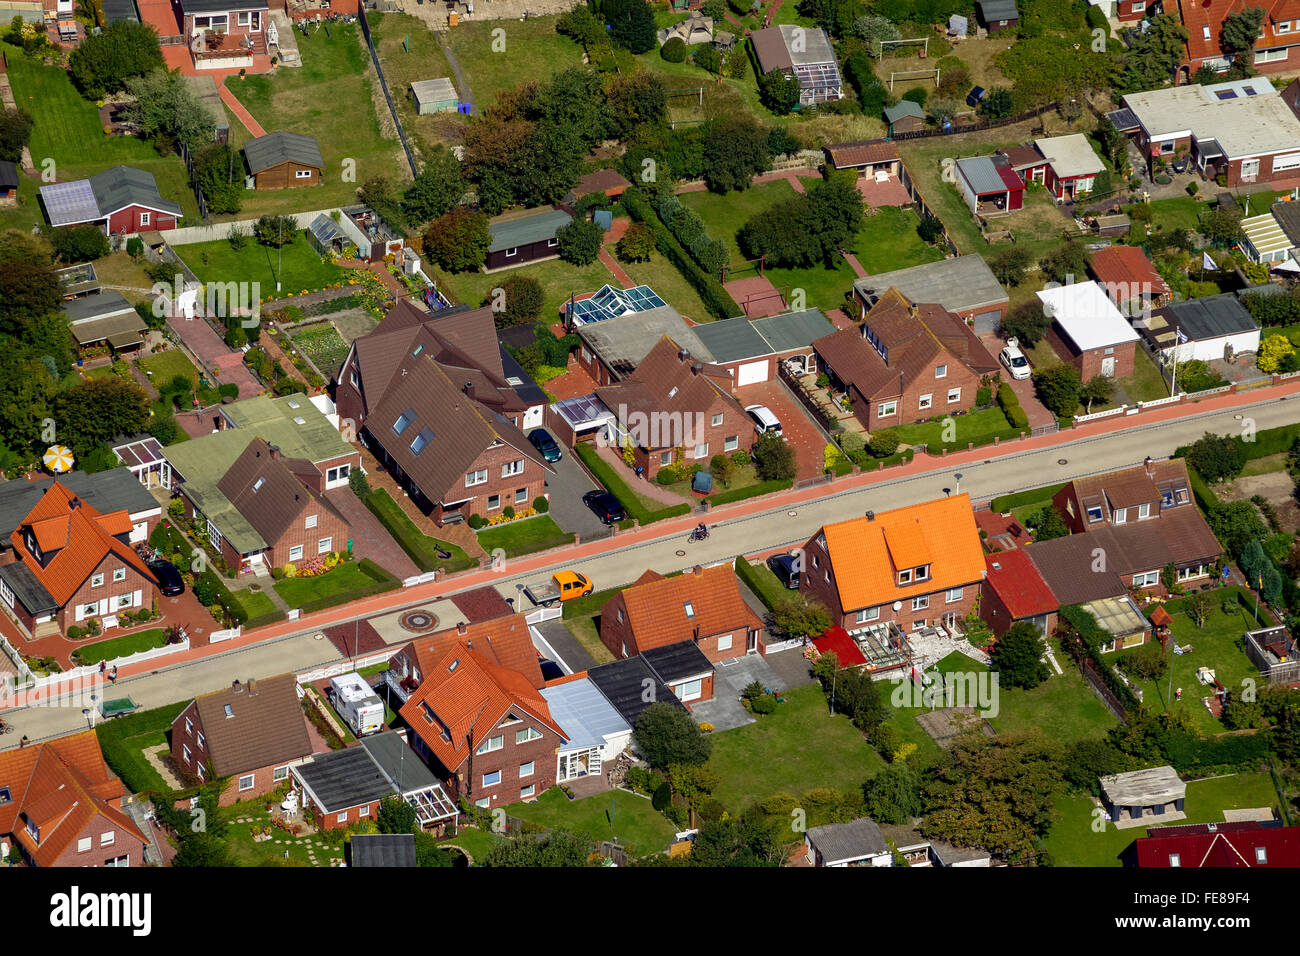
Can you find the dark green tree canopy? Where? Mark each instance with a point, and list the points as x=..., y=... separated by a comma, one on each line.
x=103, y=63
x=666, y=734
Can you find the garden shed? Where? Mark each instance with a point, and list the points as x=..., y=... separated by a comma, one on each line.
x=435, y=96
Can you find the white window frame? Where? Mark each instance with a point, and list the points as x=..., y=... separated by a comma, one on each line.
x=724, y=642
x=1119, y=516
x=492, y=778
x=144, y=218
x=527, y=769
x=251, y=782
x=363, y=812
x=867, y=614
x=97, y=579
x=107, y=838
x=953, y=595
x=295, y=553
x=1098, y=516
x=1146, y=579
x=512, y=468
x=280, y=773
x=492, y=744
x=954, y=395
x=83, y=845
x=491, y=499
x=925, y=401
x=882, y=413
x=511, y=253
x=528, y=791
x=731, y=443
x=941, y=371
x=717, y=420
x=521, y=496
x=702, y=450
x=302, y=173
x=311, y=521
x=921, y=603
x=552, y=243
x=119, y=574
x=905, y=577
x=325, y=545
x=478, y=477
x=342, y=817
x=1144, y=511
x=689, y=690
x=665, y=458
x=526, y=735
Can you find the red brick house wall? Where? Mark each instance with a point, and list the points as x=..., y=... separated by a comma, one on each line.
x=331, y=821
x=508, y=760
x=124, y=843
x=593, y=366
x=328, y=525
x=102, y=594
x=132, y=220
x=735, y=423
x=1124, y=10
x=959, y=376
x=1089, y=362
x=532, y=481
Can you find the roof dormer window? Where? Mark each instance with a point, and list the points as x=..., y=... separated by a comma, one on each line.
x=905, y=577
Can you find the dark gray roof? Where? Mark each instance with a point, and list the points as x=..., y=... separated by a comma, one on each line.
x=677, y=662
x=29, y=591
x=525, y=230
x=281, y=146
x=346, y=778
x=105, y=491
x=902, y=109
x=839, y=842
x=97, y=306
x=794, y=330
x=1287, y=215
x=1209, y=318
x=8, y=175
x=998, y=10
x=117, y=11
x=982, y=175
x=221, y=6
x=623, y=684
x=383, y=849
x=124, y=186
x=1123, y=120
x=529, y=390
x=732, y=339
x=399, y=763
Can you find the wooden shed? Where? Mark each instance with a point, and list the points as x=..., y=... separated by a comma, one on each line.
x=435, y=96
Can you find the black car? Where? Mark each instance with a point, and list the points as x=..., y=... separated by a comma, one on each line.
x=606, y=507
x=544, y=443
x=783, y=566
x=168, y=577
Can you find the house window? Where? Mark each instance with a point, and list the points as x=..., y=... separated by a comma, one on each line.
x=119, y=574
x=342, y=817
x=144, y=219
x=1094, y=513
x=941, y=371
x=717, y=421
x=492, y=779
x=552, y=243
x=1120, y=515
x=527, y=734
x=189, y=728
x=1149, y=579
x=1282, y=26
x=202, y=743
x=1144, y=511
x=620, y=615
x=923, y=572
x=364, y=811
x=88, y=610
x=302, y=174
x=868, y=614
x=117, y=861
x=953, y=595
x=1261, y=855
x=724, y=642
x=1167, y=147
x=885, y=409
x=106, y=839
x=690, y=609
x=476, y=478
x=246, y=782
x=526, y=769
x=512, y=468
x=97, y=579
x=122, y=600
x=491, y=744
x=665, y=458
x=218, y=24
x=690, y=690
x=511, y=253
x=1175, y=860
x=295, y=553
x=926, y=401
x=339, y=473
x=954, y=395
x=702, y=451
x=528, y=791
x=905, y=577
x=483, y=802
x=324, y=545
x=1271, y=56
x=494, y=502
x=731, y=443
x=280, y=773
x=311, y=521
x=917, y=625
x=521, y=496
x=920, y=603
x=83, y=845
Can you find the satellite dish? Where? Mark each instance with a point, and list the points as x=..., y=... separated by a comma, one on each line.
x=898, y=605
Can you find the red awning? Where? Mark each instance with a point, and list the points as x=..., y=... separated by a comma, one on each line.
x=837, y=639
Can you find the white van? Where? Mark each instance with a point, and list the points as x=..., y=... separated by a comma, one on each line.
x=764, y=420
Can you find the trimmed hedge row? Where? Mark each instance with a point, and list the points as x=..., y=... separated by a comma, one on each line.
x=419, y=547
x=752, y=491
x=1010, y=405
x=1093, y=636
x=384, y=581
x=620, y=490
x=127, y=761
x=711, y=292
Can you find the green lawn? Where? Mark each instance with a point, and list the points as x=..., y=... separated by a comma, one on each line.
x=1025, y=503
x=586, y=630
x=1072, y=841
x=328, y=97
x=420, y=547
x=245, y=852
x=68, y=133
x=161, y=367
x=797, y=748
x=1146, y=384
x=978, y=427
x=529, y=51
x=662, y=276
x=524, y=536
x=344, y=577
x=123, y=646
x=559, y=280
x=1264, y=466
x=255, y=603
x=303, y=269
x=636, y=824
x=475, y=842
x=760, y=579
x=888, y=241
x=123, y=740
x=408, y=51
x=1216, y=646
x=324, y=346
x=1179, y=212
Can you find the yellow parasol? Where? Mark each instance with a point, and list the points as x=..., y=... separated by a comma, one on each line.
x=58, y=458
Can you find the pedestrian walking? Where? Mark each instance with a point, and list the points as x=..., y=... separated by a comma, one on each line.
x=103, y=666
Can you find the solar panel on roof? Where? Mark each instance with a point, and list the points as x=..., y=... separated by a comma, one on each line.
x=67, y=203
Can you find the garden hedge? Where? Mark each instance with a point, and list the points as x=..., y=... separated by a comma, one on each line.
x=620, y=489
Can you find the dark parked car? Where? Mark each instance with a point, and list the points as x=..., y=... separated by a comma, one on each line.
x=974, y=96
x=544, y=443
x=783, y=567
x=168, y=577
x=605, y=506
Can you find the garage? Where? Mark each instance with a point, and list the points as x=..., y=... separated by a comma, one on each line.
x=987, y=322
x=751, y=373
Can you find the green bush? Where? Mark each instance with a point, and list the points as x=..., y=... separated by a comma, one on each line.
x=984, y=396
x=541, y=505
x=883, y=443
x=674, y=51
x=477, y=521
x=765, y=704
x=508, y=512
x=662, y=798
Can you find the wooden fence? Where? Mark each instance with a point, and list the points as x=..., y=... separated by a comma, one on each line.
x=977, y=127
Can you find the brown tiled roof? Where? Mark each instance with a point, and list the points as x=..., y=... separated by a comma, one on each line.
x=770, y=48
x=266, y=725
x=267, y=491
x=856, y=363
x=1023, y=157
x=861, y=153
x=1186, y=535
x=1131, y=485
x=1131, y=489
x=1068, y=566
x=600, y=181
x=656, y=608
x=1128, y=268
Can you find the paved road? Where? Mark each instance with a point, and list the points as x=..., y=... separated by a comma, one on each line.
x=770, y=530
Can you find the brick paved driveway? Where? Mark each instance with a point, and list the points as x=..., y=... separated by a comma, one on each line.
x=370, y=539
x=799, y=430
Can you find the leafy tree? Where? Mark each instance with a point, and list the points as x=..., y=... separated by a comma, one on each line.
x=580, y=241
x=203, y=850
x=674, y=51
x=669, y=735
x=806, y=229
x=522, y=301
x=873, y=30
x=851, y=692
x=884, y=442
x=1153, y=55
x=1011, y=263
x=930, y=229
x=1017, y=657
x=436, y=190
x=28, y=290
x=1222, y=224
x=1026, y=323
x=1240, y=30
x=219, y=171
x=632, y=24
x=1047, y=523
x=734, y=842
x=917, y=95
x=428, y=853
x=800, y=617
x=104, y=62
x=1086, y=761
x=559, y=848
x=575, y=100
x=581, y=24
x=774, y=459
x=637, y=244
x=275, y=231
x=165, y=429
x=1059, y=387
x=1199, y=607
x=380, y=195
x=779, y=92
x=395, y=816
x=79, y=243
x=993, y=792
x=1217, y=457
x=637, y=100
x=26, y=389
x=15, y=133
x=1066, y=263
x=1235, y=523
x=735, y=149
x=894, y=794
x=1273, y=352
x=707, y=58
x=165, y=106
x=1098, y=389
x=458, y=240
x=997, y=104
x=95, y=411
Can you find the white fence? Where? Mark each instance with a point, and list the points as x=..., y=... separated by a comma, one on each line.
x=218, y=636
x=190, y=234
x=1121, y=410
x=541, y=614
x=1156, y=403
x=345, y=667
x=428, y=577
x=40, y=684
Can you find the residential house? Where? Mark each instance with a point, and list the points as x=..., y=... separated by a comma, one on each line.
x=859, y=843
x=614, y=346
x=431, y=397
x=610, y=302
x=1072, y=165
x=908, y=362
x=522, y=237
x=696, y=28
x=908, y=568
x=61, y=806
x=122, y=201
x=105, y=491
x=104, y=320
x=484, y=729
x=224, y=34
x=1279, y=35
x=1139, y=795
x=867, y=156
x=674, y=404
x=1213, y=328
x=1243, y=843
x=803, y=53
x=703, y=606
x=596, y=733
x=1027, y=163
x=9, y=183
x=1153, y=489
x=1129, y=11
x=904, y=117
x=280, y=160
x=685, y=669
x=989, y=185
x=1130, y=279
x=1014, y=591
x=1088, y=331
x=964, y=285
x=345, y=787
x=67, y=563
x=253, y=732
x=921, y=851
x=998, y=15
x=266, y=510
x=1291, y=96
x=1242, y=130
x=754, y=350
x=504, y=640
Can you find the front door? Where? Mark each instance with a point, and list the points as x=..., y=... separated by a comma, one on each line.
x=1249, y=170
x=751, y=643
x=1108, y=366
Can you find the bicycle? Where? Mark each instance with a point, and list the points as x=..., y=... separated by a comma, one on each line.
x=699, y=533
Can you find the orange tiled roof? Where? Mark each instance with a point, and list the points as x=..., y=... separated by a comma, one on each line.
x=84, y=537
x=468, y=695
x=862, y=551
x=1199, y=14
x=656, y=607
x=503, y=640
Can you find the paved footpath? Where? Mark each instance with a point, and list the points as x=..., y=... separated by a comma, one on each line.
x=759, y=526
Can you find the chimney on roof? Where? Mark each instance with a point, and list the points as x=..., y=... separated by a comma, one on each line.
x=698, y=569
x=1150, y=467
x=683, y=354
x=697, y=368
x=252, y=688
x=236, y=686
x=74, y=503
x=469, y=389
x=460, y=629
x=275, y=452
x=871, y=516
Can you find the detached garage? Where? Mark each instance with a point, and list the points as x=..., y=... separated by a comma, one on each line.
x=752, y=349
